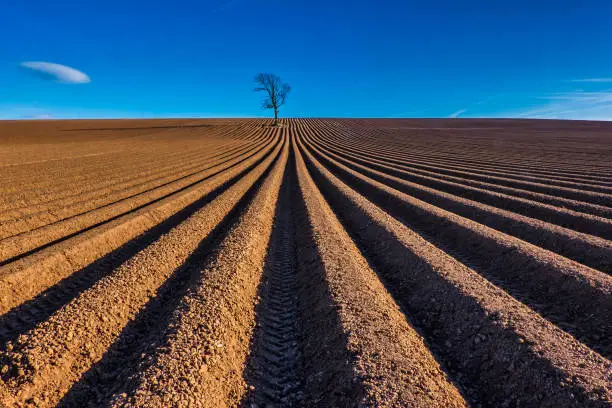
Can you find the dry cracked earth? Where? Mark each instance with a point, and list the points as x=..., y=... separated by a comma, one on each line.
x=320, y=263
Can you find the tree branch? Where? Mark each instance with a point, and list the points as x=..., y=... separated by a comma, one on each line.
x=276, y=91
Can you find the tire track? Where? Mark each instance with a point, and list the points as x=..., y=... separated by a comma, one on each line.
x=335, y=262
x=222, y=297
x=273, y=373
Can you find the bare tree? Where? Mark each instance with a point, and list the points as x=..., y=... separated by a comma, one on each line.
x=276, y=90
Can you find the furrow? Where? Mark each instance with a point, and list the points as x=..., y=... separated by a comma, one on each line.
x=514, y=179
x=35, y=216
x=55, y=191
x=47, y=360
x=483, y=172
x=589, y=250
x=502, y=352
x=52, y=171
x=61, y=179
x=358, y=349
x=26, y=278
x=213, y=321
x=273, y=370
x=79, y=174
x=449, y=150
x=595, y=204
x=33, y=240
x=548, y=186
x=32, y=312
x=582, y=222
x=320, y=262
x=575, y=297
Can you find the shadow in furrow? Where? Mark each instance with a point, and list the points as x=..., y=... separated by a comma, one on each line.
x=31, y=313
x=502, y=368
x=493, y=261
x=134, y=350
x=327, y=366
x=273, y=367
x=113, y=218
x=192, y=165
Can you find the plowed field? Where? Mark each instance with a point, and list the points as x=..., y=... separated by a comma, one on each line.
x=321, y=263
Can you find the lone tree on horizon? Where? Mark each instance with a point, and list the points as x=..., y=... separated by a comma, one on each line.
x=276, y=90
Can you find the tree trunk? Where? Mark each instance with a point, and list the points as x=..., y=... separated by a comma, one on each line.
x=275, y=116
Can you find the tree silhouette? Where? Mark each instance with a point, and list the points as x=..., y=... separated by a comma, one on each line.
x=276, y=92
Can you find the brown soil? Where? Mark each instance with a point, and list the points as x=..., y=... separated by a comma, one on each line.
x=353, y=262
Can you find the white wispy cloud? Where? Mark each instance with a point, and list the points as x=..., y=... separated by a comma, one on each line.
x=57, y=72
x=580, y=97
x=572, y=105
x=456, y=114
x=592, y=80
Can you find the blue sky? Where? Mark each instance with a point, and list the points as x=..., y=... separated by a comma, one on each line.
x=428, y=58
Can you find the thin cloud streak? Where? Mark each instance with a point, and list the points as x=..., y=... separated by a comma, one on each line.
x=581, y=97
x=458, y=113
x=60, y=73
x=594, y=80
x=572, y=105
